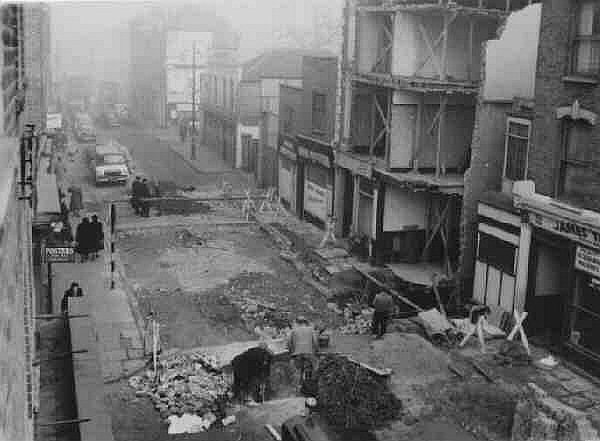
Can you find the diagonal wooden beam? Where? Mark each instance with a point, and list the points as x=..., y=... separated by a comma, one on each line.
x=437, y=42
x=381, y=57
x=440, y=219
x=425, y=36
x=382, y=115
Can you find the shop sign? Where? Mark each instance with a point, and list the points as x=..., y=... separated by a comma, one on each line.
x=319, y=158
x=567, y=228
x=356, y=166
x=316, y=200
x=587, y=260
x=54, y=254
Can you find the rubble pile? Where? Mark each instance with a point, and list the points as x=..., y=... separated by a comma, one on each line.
x=187, y=384
x=357, y=323
x=353, y=396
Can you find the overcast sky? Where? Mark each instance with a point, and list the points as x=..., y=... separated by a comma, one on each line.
x=92, y=36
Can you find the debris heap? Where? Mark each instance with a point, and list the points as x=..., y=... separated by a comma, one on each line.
x=357, y=322
x=352, y=396
x=186, y=384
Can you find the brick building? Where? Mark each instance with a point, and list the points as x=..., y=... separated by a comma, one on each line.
x=306, y=129
x=258, y=107
x=546, y=228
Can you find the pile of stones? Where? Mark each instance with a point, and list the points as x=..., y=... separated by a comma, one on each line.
x=186, y=384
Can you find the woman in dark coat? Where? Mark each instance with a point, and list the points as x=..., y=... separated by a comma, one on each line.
x=98, y=236
x=85, y=239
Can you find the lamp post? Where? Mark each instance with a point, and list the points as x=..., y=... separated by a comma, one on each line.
x=193, y=143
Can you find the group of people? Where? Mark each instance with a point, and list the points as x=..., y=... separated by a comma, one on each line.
x=142, y=189
x=89, y=238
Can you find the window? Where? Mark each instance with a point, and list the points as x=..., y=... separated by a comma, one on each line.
x=319, y=122
x=580, y=167
x=586, y=51
x=288, y=119
x=497, y=253
x=518, y=131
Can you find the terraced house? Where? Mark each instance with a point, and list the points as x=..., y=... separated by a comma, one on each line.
x=411, y=72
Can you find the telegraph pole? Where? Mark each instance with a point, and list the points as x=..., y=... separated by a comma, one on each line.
x=193, y=144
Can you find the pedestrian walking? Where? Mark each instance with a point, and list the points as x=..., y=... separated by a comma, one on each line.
x=74, y=291
x=76, y=202
x=60, y=170
x=84, y=239
x=303, y=344
x=156, y=193
x=98, y=236
x=384, y=305
x=136, y=194
x=251, y=372
x=144, y=194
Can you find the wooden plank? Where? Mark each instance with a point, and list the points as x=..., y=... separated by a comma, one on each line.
x=63, y=422
x=273, y=432
x=481, y=370
x=389, y=290
x=444, y=63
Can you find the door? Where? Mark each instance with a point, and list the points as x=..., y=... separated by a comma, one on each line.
x=548, y=289
x=348, y=203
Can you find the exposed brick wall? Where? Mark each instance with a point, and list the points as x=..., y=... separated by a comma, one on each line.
x=552, y=92
x=15, y=363
x=318, y=75
x=484, y=174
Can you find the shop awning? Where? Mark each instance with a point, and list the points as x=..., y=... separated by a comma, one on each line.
x=452, y=183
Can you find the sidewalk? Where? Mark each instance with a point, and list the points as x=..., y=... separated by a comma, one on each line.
x=119, y=341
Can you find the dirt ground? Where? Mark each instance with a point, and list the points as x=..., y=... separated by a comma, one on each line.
x=213, y=285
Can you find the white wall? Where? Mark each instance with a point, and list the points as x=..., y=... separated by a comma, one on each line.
x=403, y=208
x=511, y=60
x=404, y=61
x=368, y=29
x=269, y=91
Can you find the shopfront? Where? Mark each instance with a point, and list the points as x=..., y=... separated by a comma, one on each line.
x=287, y=170
x=316, y=179
x=563, y=288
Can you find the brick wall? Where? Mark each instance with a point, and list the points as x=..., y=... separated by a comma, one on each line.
x=484, y=174
x=318, y=75
x=16, y=319
x=552, y=92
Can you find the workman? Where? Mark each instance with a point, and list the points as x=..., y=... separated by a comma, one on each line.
x=303, y=345
x=251, y=372
x=384, y=306
x=74, y=291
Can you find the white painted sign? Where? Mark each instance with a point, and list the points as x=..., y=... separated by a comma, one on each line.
x=587, y=260
x=285, y=184
x=53, y=121
x=180, y=46
x=316, y=200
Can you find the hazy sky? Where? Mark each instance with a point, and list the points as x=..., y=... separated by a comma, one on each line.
x=92, y=36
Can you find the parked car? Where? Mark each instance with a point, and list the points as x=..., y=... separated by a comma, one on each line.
x=109, y=165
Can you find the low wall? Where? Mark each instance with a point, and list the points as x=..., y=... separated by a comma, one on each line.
x=87, y=373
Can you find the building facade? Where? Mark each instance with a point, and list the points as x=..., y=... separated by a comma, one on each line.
x=548, y=226
x=410, y=78
x=306, y=129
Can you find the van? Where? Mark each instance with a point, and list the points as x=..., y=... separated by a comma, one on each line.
x=110, y=165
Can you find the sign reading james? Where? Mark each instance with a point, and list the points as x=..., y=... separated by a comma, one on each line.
x=59, y=254
x=566, y=228
x=587, y=260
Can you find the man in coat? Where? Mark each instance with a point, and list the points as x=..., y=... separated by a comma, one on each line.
x=98, y=236
x=384, y=306
x=136, y=191
x=74, y=291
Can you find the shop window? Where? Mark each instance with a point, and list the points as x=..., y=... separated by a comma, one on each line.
x=497, y=253
x=518, y=132
x=318, y=175
x=586, y=44
x=319, y=120
x=580, y=168
x=585, y=313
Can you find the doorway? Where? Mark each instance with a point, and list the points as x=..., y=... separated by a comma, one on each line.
x=348, y=203
x=548, y=289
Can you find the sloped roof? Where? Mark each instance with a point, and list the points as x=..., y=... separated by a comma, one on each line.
x=280, y=63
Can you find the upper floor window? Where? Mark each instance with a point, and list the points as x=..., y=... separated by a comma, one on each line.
x=319, y=111
x=518, y=132
x=288, y=119
x=580, y=166
x=587, y=39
